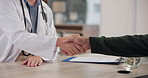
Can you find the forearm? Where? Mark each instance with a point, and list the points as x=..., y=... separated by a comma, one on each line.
x=129, y=46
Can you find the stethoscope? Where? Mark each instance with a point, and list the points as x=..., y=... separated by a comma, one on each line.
x=43, y=14
x=27, y=29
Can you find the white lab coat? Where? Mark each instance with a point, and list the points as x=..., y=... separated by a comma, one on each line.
x=14, y=38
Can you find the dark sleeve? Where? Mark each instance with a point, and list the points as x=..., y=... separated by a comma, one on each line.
x=127, y=46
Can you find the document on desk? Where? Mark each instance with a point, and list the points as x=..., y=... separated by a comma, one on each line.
x=103, y=60
x=145, y=76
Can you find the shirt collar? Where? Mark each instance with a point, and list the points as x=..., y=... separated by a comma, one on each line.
x=37, y=3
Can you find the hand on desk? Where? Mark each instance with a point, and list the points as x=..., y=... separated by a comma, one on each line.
x=33, y=61
x=72, y=45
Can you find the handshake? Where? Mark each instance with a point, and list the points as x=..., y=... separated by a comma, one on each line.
x=73, y=44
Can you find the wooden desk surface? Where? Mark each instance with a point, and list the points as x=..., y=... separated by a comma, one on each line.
x=68, y=70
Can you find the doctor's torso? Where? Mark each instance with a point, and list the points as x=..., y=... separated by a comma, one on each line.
x=8, y=51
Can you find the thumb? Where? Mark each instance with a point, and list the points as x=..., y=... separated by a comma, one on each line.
x=79, y=41
x=68, y=40
x=75, y=35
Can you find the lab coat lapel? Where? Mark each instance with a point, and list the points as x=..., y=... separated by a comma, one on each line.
x=41, y=26
x=27, y=16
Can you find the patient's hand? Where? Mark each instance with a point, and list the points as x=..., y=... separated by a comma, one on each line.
x=33, y=61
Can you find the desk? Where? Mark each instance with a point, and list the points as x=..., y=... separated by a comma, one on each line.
x=67, y=70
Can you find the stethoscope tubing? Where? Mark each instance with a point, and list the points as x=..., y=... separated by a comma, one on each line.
x=43, y=13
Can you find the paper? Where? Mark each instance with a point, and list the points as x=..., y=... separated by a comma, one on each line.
x=95, y=59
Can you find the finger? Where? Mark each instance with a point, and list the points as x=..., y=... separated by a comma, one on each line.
x=76, y=50
x=36, y=63
x=25, y=62
x=70, y=53
x=32, y=63
x=29, y=63
x=40, y=62
x=69, y=50
x=80, y=48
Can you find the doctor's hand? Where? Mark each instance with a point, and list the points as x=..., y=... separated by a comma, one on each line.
x=33, y=61
x=70, y=48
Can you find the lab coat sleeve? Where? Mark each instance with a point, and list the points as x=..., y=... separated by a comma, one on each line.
x=51, y=27
x=54, y=33
x=14, y=29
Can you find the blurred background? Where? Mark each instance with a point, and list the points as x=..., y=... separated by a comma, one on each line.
x=100, y=17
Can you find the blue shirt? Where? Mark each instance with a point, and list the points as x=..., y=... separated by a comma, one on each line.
x=33, y=11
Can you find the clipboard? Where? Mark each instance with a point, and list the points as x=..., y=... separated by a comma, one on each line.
x=116, y=61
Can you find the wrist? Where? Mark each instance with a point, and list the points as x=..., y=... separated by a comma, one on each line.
x=88, y=43
x=58, y=41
